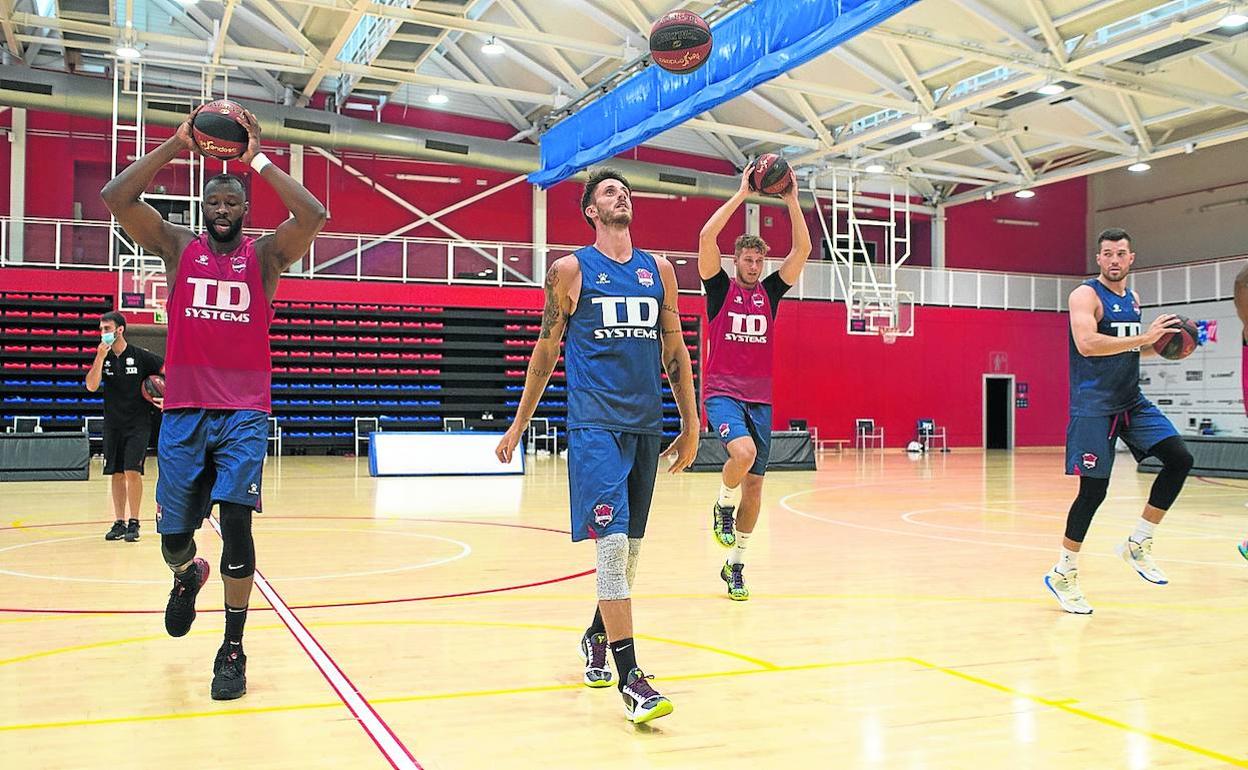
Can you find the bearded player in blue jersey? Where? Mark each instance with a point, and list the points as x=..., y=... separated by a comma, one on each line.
x=617, y=305
x=1106, y=404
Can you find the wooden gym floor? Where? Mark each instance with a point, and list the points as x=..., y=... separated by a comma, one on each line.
x=898, y=620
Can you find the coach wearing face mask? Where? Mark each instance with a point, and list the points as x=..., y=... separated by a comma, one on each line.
x=121, y=368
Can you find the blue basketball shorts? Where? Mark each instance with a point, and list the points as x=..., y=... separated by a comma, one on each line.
x=1090, y=441
x=208, y=456
x=611, y=478
x=733, y=419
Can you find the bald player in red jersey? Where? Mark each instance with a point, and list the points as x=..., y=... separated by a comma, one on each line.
x=215, y=431
x=1241, y=308
x=737, y=378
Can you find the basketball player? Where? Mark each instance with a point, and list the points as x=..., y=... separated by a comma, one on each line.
x=618, y=307
x=1106, y=404
x=737, y=382
x=214, y=436
x=121, y=368
x=1241, y=309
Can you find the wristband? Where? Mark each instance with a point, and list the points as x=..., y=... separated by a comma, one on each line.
x=259, y=162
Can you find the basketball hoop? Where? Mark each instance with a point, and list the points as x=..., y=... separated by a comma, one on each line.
x=888, y=334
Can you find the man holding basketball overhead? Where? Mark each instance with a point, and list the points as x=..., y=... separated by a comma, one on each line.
x=737, y=379
x=1106, y=404
x=121, y=368
x=215, y=432
x=618, y=307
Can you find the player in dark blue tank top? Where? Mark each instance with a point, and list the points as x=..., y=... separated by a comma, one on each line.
x=1106, y=404
x=1107, y=384
x=618, y=306
x=613, y=348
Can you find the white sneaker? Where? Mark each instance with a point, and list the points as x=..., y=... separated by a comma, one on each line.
x=1140, y=557
x=1066, y=588
x=642, y=702
x=594, y=652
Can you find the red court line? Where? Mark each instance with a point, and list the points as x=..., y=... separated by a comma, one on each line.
x=365, y=715
x=362, y=603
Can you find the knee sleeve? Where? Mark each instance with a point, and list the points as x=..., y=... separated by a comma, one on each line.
x=177, y=549
x=612, y=566
x=1091, y=495
x=634, y=553
x=238, y=551
x=1176, y=462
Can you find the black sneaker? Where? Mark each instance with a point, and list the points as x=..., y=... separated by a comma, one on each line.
x=180, y=611
x=132, y=531
x=117, y=532
x=229, y=672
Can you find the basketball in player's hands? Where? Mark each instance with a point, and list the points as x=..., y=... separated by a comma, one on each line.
x=1181, y=343
x=153, y=387
x=219, y=130
x=770, y=174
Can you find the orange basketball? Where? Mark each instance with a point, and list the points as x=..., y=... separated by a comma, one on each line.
x=218, y=130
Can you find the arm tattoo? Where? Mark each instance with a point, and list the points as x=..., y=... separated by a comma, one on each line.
x=542, y=373
x=552, y=312
x=671, y=331
x=671, y=310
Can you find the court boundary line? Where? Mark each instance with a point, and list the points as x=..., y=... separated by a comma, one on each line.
x=365, y=715
x=1061, y=704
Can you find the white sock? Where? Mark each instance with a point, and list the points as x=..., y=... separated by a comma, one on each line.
x=737, y=554
x=1143, y=530
x=1068, y=561
x=729, y=498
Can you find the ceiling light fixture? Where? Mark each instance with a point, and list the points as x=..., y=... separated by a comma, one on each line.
x=128, y=52
x=437, y=97
x=1025, y=194
x=921, y=125
x=1139, y=167
x=875, y=168
x=493, y=48
x=1051, y=89
x=1232, y=20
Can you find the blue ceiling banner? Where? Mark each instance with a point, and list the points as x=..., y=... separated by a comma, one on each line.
x=752, y=45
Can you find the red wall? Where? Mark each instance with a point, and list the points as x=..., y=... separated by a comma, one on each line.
x=1055, y=243
x=830, y=378
x=822, y=375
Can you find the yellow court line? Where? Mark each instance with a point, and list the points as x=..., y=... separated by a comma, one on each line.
x=1064, y=704
x=170, y=716
x=428, y=697
x=109, y=643
x=541, y=627
x=1039, y=600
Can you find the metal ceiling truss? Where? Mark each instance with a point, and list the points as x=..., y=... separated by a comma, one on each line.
x=897, y=71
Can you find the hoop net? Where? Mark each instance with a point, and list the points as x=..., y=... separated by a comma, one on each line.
x=889, y=334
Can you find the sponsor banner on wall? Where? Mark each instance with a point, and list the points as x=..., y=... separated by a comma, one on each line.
x=1202, y=394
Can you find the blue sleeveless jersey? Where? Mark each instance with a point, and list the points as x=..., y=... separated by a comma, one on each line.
x=1101, y=385
x=614, y=354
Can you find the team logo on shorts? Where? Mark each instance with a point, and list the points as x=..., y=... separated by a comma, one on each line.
x=1089, y=460
x=603, y=513
x=645, y=277
x=723, y=430
x=254, y=489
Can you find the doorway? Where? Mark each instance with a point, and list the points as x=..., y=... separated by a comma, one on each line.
x=998, y=411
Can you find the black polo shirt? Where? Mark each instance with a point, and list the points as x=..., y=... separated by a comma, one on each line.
x=122, y=377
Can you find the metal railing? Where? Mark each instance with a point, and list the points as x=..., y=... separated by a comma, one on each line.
x=64, y=243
